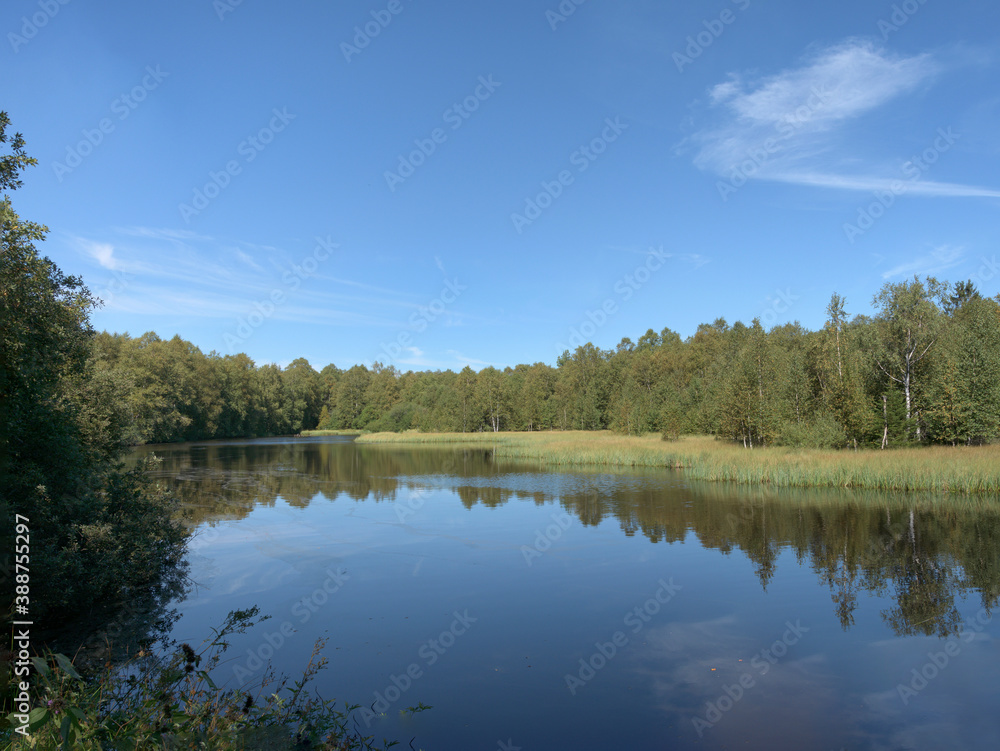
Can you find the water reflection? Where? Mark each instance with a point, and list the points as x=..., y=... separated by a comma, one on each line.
x=921, y=553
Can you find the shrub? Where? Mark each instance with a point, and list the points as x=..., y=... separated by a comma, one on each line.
x=172, y=702
x=821, y=432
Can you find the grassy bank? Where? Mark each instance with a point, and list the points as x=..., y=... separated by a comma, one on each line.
x=938, y=468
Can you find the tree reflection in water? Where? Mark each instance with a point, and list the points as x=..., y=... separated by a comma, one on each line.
x=920, y=551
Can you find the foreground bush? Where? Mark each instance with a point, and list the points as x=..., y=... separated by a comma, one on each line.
x=172, y=703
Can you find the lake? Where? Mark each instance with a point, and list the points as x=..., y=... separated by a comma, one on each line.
x=537, y=609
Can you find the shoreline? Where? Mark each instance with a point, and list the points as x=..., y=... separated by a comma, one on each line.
x=970, y=470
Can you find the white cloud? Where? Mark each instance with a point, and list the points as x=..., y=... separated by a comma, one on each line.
x=791, y=127
x=872, y=183
x=103, y=253
x=247, y=259
x=462, y=360
x=181, y=273
x=942, y=258
x=842, y=82
x=163, y=234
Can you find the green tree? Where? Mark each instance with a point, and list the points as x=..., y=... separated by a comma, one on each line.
x=964, y=394
x=493, y=397
x=98, y=532
x=749, y=408
x=535, y=394
x=351, y=392
x=471, y=416
x=381, y=395
x=907, y=326
x=305, y=389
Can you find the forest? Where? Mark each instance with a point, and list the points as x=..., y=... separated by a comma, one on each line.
x=925, y=368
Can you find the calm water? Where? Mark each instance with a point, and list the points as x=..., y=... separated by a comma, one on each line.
x=541, y=609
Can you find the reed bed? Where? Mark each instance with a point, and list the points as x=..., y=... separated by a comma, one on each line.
x=954, y=470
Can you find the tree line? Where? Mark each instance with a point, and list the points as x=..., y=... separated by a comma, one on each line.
x=925, y=368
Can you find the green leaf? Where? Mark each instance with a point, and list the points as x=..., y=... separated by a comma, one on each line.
x=205, y=677
x=67, y=732
x=41, y=667
x=37, y=717
x=67, y=666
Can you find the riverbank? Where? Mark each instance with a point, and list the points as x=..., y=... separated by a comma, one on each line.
x=943, y=469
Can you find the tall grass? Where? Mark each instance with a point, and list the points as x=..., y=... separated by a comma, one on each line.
x=961, y=470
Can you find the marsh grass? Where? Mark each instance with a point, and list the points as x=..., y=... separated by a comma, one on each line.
x=955, y=470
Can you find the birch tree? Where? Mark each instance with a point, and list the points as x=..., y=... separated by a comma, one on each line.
x=907, y=326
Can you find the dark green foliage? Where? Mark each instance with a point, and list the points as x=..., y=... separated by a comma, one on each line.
x=171, y=391
x=172, y=702
x=820, y=432
x=98, y=533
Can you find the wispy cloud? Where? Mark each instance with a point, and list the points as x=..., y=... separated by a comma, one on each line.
x=871, y=183
x=103, y=253
x=795, y=126
x=696, y=260
x=163, y=234
x=462, y=360
x=942, y=258
x=183, y=273
x=247, y=259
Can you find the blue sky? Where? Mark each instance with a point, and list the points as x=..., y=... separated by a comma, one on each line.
x=440, y=184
